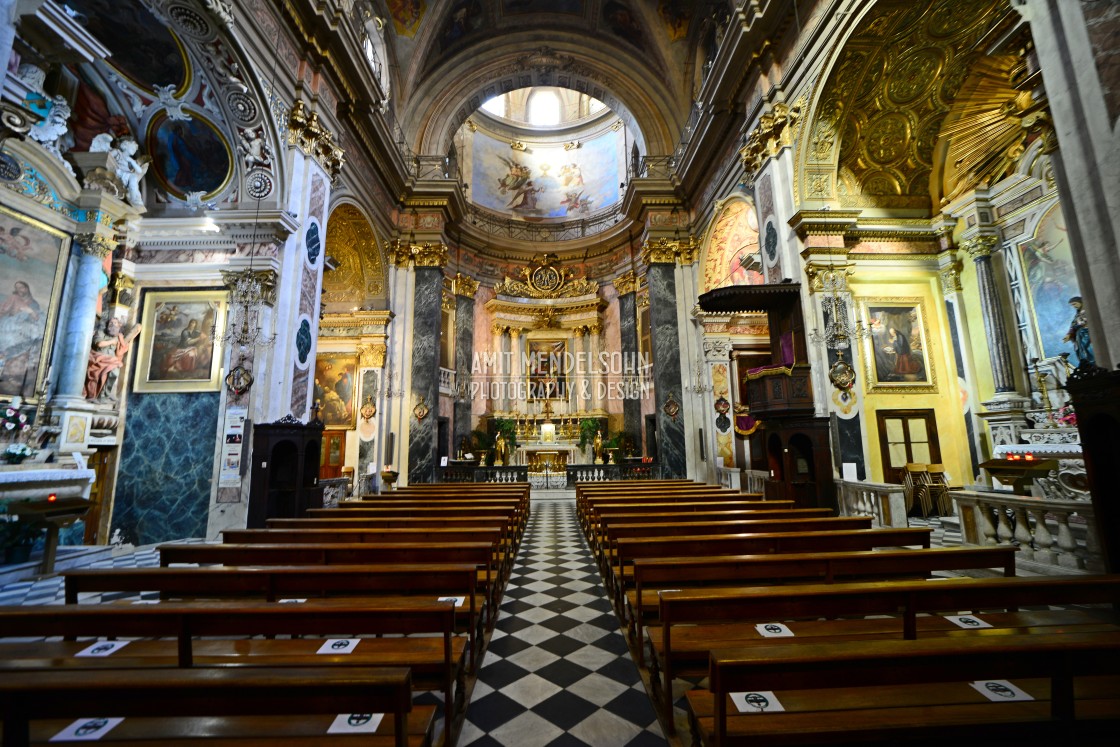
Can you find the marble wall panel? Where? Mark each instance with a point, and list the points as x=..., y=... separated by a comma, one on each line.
x=666, y=343
x=425, y=374
x=628, y=333
x=464, y=353
x=167, y=466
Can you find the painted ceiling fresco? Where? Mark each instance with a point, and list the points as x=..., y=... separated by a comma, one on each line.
x=546, y=180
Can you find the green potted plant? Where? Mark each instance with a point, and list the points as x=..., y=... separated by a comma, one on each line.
x=587, y=430
x=482, y=445
x=16, y=537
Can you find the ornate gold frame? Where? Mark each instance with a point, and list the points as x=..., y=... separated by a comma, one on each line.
x=61, y=262
x=870, y=382
x=141, y=384
x=562, y=375
x=351, y=359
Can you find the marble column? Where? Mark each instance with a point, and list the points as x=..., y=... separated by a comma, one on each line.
x=598, y=377
x=666, y=343
x=949, y=272
x=999, y=349
x=426, y=319
x=82, y=315
x=627, y=286
x=464, y=288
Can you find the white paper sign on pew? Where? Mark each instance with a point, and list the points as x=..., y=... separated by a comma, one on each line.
x=773, y=630
x=1000, y=690
x=86, y=730
x=103, y=648
x=355, y=723
x=459, y=601
x=339, y=646
x=968, y=622
x=763, y=701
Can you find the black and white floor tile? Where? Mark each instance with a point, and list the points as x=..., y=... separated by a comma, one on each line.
x=558, y=672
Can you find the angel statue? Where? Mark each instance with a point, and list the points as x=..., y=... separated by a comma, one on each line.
x=129, y=168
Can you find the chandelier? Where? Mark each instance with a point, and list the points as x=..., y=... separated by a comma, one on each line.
x=700, y=380
x=249, y=292
x=839, y=333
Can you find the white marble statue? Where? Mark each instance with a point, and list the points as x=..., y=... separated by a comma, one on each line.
x=50, y=132
x=129, y=168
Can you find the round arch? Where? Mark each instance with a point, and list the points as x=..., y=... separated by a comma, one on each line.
x=731, y=236
x=439, y=109
x=359, y=278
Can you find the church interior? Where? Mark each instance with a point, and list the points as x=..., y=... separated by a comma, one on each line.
x=736, y=320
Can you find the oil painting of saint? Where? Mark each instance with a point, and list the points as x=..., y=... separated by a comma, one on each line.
x=29, y=264
x=178, y=350
x=334, y=389
x=897, y=349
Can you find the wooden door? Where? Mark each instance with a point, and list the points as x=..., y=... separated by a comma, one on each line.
x=333, y=456
x=101, y=462
x=906, y=436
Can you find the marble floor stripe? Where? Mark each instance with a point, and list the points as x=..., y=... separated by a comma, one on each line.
x=557, y=672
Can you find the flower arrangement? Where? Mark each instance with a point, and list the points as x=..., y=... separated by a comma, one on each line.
x=16, y=453
x=14, y=422
x=1066, y=417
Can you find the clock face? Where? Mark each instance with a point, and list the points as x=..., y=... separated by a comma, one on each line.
x=771, y=241
x=546, y=278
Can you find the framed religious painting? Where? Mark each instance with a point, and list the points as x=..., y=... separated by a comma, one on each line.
x=336, y=376
x=178, y=352
x=32, y=263
x=896, y=353
x=546, y=361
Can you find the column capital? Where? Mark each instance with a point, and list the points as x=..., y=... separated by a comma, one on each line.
x=428, y=254
x=626, y=283
x=663, y=251
x=980, y=247
x=372, y=356
x=96, y=244
x=827, y=277
x=464, y=285
x=717, y=350
x=447, y=301
x=949, y=270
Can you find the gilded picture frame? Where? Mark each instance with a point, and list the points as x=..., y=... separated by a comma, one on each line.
x=336, y=389
x=896, y=353
x=544, y=369
x=178, y=352
x=33, y=258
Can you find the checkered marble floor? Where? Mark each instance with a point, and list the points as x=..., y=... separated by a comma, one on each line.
x=558, y=672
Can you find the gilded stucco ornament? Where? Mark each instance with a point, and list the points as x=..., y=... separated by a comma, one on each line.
x=543, y=278
x=308, y=134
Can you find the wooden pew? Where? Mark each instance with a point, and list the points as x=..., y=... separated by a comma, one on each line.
x=905, y=691
x=602, y=521
x=399, y=512
x=279, y=582
x=688, y=511
x=356, y=553
x=654, y=575
x=299, y=702
x=631, y=548
x=500, y=550
x=586, y=509
x=693, y=623
x=616, y=532
x=436, y=662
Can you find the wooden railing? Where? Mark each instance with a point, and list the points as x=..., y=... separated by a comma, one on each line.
x=1053, y=536
x=884, y=502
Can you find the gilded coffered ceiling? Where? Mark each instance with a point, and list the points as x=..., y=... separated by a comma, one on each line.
x=359, y=277
x=872, y=142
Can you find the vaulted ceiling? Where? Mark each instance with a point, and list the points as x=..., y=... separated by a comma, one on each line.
x=640, y=57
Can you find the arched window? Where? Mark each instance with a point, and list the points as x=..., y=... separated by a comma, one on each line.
x=544, y=108
x=496, y=106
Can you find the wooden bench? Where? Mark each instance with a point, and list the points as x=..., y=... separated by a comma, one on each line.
x=654, y=575
x=279, y=582
x=355, y=553
x=629, y=549
x=354, y=509
x=211, y=634
x=693, y=623
x=602, y=516
x=617, y=532
x=342, y=520
x=206, y=705
x=873, y=692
